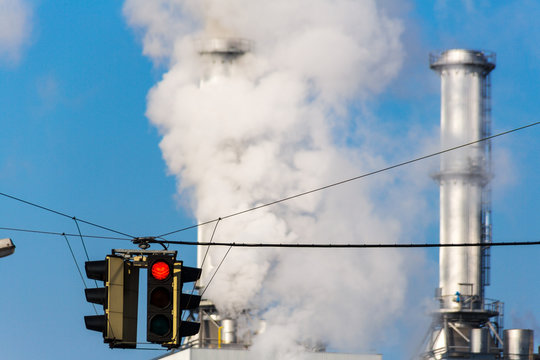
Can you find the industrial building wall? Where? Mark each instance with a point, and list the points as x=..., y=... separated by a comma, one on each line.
x=229, y=354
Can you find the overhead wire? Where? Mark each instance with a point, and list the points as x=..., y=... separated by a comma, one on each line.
x=78, y=268
x=203, y=260
x=63, y=214
x=354, y=246
x=83, y=244
x=289, y=245
x=215, y=272
x=351, y=179
x=211, y=238
x=42, y=232
x=82, y=239
x=130, y=237
x=259, y=206
x=65, y=235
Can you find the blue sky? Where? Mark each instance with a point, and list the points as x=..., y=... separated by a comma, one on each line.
x=75, y=139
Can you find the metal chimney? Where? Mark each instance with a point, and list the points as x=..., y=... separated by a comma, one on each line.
x=466, y=325
x=465, y=174
x=219, y=58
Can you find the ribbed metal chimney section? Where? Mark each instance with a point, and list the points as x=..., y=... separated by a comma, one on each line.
x=465, y=174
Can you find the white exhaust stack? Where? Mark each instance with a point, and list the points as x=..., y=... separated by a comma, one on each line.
x=219, y=56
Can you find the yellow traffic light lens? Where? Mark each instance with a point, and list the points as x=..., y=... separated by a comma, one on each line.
x=160, y=270
x=160, y=297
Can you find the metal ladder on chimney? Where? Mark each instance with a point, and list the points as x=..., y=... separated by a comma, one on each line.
x=486, y=236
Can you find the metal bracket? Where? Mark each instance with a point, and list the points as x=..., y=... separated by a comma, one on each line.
x=143, y=242
x=490, y=325
x=459, y=332
x=139, y=256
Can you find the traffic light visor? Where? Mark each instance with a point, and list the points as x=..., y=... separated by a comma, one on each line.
x=96, y=295
x=96, y=322
x=96, y=270
x=188, y=328
x=160, y=270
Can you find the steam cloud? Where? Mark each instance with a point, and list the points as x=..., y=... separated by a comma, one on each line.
x=279, y=125
x=15, y=27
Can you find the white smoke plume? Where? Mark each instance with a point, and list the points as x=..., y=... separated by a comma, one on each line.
x=277, y=126
x=15, y=27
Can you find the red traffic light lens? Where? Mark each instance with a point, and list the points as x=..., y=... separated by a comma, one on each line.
x=160, y=270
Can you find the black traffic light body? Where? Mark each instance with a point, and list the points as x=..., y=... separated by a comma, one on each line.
x=181, y=329
x=119, y=298
x=166, y=301
x=160, y=298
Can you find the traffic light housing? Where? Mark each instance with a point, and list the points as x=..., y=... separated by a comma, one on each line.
x=181, y=329
x=166, y=301
x=160, y=298
x=119, y=298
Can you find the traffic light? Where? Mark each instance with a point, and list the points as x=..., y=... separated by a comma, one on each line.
x=159, y=298
x=119, y=298
x=182, y=275
x=166, y=301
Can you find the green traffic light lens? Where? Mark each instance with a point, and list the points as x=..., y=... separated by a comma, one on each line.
x=160, y=297
x=160, y=325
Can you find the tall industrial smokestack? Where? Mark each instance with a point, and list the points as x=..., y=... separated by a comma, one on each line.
x=463, y=325
x=465, y=175
x=219, y=57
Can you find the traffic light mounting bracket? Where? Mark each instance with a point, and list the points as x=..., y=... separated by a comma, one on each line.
x=139, y=256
